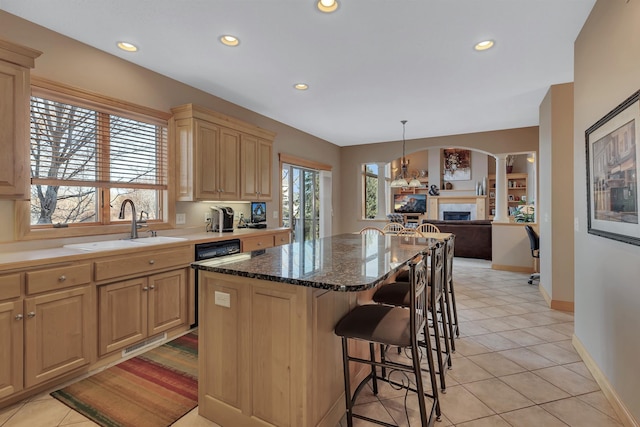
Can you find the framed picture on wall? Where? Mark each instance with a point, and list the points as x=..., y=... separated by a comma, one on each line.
x=612, y=153
x=511, y=198
x=457, y=164
x=492, y=195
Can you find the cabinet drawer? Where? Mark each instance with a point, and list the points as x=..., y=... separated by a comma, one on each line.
x=51, y=279
x=139, y=264
x=281, y=239
x=10, y=286
x=255, y=243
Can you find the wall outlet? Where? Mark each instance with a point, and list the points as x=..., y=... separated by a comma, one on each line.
x=222, y=299
x=207, y=216
x=181, y=219
x=275, y=214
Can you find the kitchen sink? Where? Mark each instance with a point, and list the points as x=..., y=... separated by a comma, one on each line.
x=108, y=245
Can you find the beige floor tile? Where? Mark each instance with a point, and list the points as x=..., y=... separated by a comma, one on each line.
x=41, y=413
x=192, y=419
x=396, y=407
x=494, y=342
x=6, y=413
x=375, y=410
x=496, y=364
x=577, y=413
x=465, y=346
x=495, y=325
x=472, y=328
x=76, y=419
x=555, y=353
x=598, y=401
x=534, y=387
x=522, y=338
x=567, y=380
x=533, y=416
x=465, y=371
x=527, y=358
x=546, y=333
x=498, y=396
x=459, y=405
x=579, y=368
x=492, y=421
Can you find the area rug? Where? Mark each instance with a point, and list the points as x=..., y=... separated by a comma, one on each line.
x=154, y=389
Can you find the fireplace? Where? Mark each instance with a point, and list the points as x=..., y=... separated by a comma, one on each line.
x=456, y=215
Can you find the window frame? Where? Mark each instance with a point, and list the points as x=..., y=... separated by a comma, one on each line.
x=62, y=93
x=366, y=175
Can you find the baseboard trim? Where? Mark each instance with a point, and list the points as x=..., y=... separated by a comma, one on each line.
x=514, y=268
x=616, y=403
x=556, y=304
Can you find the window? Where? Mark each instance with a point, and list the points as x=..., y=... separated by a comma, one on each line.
x=370, y=186
x=86, y=159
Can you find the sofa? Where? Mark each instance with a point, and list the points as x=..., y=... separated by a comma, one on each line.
x=473, y=238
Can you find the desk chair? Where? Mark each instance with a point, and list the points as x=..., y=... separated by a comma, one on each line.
x=394, y=326
x=534, y=241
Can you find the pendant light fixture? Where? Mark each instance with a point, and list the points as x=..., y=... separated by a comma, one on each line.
x=402, y=179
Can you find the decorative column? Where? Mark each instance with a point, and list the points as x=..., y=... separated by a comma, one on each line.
x=502, y=211
x=383, y=195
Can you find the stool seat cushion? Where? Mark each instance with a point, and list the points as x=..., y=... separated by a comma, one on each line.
x=377, y=323
x=398, y=294
x=403, y=276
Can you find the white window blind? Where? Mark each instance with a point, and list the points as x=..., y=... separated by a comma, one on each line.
x=73, y=145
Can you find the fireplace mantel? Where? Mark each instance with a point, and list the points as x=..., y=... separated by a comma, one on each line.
x=436, y=201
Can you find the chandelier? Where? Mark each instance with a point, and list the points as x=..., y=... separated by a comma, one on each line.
x=403, y=180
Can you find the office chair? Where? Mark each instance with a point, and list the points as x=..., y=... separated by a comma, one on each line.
x=534, y=240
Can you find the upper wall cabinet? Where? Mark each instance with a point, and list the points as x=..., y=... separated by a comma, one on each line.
x=219, y=157
x=15, y=64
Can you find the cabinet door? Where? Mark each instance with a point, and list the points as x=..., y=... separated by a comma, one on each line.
x=122, y=311
x=207, y=140
x=264, y=169
x=228, y=165
x=11, y=325
x=14, y=130
x=249, y=167
x=167, y=300
x=58, y=334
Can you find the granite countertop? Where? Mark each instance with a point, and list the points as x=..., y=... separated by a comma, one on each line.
x=346, y=262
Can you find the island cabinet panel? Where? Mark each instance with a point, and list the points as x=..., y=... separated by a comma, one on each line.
x=58, y=333
x=268, y=353
x=11, y=353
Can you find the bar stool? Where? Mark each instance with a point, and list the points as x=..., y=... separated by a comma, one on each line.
x=398, y=294
x=393, y=326
x=450, y=295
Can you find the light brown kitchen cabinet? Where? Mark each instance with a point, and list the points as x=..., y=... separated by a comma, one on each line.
x=281, y=238
x=256, y=165
x=15, y=64
x=132, y=310
x=208, y=152
x=11, y=334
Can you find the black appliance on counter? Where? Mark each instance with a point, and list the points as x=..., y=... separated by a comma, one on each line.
x=221, y=219
x=213, y=250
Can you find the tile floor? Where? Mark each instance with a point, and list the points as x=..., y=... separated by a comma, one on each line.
x=514, y=366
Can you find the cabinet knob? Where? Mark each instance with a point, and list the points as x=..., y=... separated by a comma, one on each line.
x=259, y=243
x=62, y=278
x=145, y=288
x=152, y=287
x=31, y=314
x=151, y=261
x=19, y=316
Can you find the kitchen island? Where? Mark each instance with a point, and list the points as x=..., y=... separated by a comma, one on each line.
x=268, y=353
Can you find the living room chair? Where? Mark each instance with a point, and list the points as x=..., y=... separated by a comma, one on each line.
x=534, y=241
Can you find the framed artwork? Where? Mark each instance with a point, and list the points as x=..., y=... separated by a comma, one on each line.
x=511, y=198
x=457, y=164
x=612, y=173
x=523, y=198
x=492, y=195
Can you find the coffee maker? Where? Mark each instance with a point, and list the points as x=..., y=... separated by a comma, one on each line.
x=221, y=218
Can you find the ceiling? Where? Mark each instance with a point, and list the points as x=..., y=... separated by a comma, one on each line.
x=368, y=65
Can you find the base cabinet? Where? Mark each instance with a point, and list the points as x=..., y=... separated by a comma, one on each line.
x=11, y=350
x=132, y=310
x=57, y=334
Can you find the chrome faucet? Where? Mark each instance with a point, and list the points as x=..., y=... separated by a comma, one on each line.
x=134, y=224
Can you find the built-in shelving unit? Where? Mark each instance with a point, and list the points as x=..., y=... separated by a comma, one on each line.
x=516, y=192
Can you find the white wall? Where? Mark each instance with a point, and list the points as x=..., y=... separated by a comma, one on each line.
x=607, y=272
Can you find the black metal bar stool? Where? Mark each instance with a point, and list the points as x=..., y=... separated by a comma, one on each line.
x=452, y=310
x=397, y=294
x=393, y=326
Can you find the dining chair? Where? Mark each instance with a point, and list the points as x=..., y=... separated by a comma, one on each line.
x=428, y=228
x=410, y=232
x=372, y=230
x=392, y=228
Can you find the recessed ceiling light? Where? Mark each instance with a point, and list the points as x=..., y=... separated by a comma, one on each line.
x=301, y=86
x=327, y=6
x=229, y=40
x=484, y=45
x=126, y=46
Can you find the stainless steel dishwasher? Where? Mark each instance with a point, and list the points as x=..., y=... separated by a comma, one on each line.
x=213, y=250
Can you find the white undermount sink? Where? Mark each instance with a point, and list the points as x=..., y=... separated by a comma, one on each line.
x=108, y=245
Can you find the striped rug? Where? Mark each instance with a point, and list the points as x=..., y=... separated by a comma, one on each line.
x=154, y=389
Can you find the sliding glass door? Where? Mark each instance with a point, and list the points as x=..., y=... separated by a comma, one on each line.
x=301, y=202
